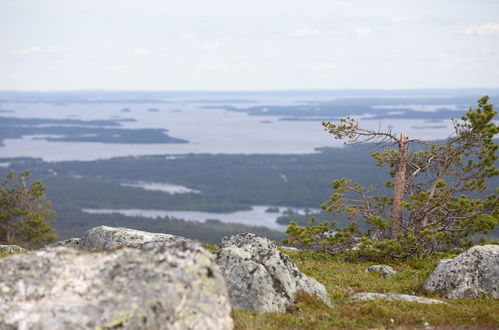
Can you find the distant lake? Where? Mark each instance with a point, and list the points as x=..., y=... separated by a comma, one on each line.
x=161, y=186
x=207, y=130
x=255, y=217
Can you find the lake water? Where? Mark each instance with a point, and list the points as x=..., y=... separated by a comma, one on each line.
x=208, y=131
x=161, y=186
x=255, y=217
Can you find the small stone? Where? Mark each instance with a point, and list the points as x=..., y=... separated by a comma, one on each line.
x=70, y=242
x=11, y=249
x=393, y=296
x=384, y=270
x=288, y=248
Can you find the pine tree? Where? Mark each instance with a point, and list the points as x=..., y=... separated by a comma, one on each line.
x=26, y=217
x=434, y=204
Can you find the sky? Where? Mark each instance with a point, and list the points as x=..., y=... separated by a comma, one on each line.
x=248, y=45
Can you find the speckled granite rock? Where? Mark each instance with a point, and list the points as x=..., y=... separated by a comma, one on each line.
x=261, y=278
x=472, y=274
x=169, y=286
x=11, y=248
x=70, y=242
x=393, y=296
x=384, y=270
x=106, y=238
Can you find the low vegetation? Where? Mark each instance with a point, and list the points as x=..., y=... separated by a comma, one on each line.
x=343, y=278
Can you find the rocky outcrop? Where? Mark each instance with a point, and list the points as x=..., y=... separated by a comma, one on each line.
x=261, y=278
x=472, y=274
x=363, y=296
x=383, y=270
x=11, y=249
x=172, y=285
x=106, y=238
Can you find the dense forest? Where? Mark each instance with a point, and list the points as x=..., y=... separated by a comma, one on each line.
x=227, y=183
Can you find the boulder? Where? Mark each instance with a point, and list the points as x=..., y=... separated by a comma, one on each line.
x=472, y=274
x=173, y=285
x=11, y=249
x=363, y=296
x=107, y=238
x=70, y=242
x=261, y=278
x=383, y=270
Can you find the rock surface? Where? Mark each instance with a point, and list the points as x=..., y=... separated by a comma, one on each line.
x=261, y=278
x=393, y=296
x=11, y=248
x=168, y=286
x=70, y=242
x=106, y=238
x=472, y=274
x=384, y=270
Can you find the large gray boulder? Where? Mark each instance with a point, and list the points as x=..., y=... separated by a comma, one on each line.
x=170, y=286
x=363, y=296
x=472, y=274
x=107, y=238
x=261, y=278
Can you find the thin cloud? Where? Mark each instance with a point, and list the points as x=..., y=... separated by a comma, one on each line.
x=211, y=45
x=141, y=51
x=117, y=67
x=486, y=29
x=37, y=50
x=211, y=66
x=319, y=65
x=307, y=32
x=405, y=18
x=362, y=31
x=188, y=36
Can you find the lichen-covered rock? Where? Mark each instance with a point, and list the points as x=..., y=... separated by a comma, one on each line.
x=168, y=286
x=106, y=238
x=393, y=296
x=11, y=249
x=261, y=278
x=384, y=270
x=70, y=242
x=472, y=274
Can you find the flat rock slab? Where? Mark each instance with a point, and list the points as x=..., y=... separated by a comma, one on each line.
x=472, y=274
x=171, y=286
x=261, y=278
x=107, y=238
x=393, y=296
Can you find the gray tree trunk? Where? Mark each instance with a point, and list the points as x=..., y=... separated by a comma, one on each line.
x=399, y=186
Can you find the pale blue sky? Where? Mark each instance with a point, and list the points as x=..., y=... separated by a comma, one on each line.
x=248, y=45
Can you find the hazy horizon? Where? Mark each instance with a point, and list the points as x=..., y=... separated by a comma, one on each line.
x=226, y=45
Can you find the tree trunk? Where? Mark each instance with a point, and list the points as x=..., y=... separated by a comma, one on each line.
x=10, y=237
x=399, y=186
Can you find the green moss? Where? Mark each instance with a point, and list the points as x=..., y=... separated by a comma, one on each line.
x=5, y=254
x=211, y=247
x=344, y=278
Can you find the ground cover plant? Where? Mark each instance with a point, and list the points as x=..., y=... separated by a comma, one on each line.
x=343, y=278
